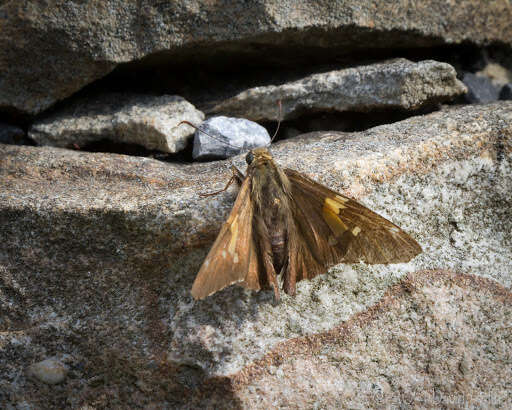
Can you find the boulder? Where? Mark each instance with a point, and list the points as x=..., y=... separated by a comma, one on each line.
x=99, y=252
x=146, y=120
x=49, y=51
x=399, y=84
x=436, y=339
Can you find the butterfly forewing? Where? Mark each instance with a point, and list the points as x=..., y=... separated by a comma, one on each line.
x=339, y=229
x=232, y=258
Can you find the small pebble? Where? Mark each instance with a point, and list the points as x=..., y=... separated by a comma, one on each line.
x=227, y=137
x=49, y=371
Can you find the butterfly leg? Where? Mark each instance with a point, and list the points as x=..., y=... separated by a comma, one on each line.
x=237, y=176
x=289, y=279
x=294, y=253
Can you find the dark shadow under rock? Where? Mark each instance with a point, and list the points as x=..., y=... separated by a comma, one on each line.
x=10, y=134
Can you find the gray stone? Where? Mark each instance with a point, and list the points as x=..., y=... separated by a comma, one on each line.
x=99, y=252
x=480, y=89
x=48, y=52
x=228, y=137
x=146, y=120
x=397, y=84
x=9, y=134
x=49, y=371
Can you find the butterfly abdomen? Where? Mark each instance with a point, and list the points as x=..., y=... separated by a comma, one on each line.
x=271, y=205
x=278, y=243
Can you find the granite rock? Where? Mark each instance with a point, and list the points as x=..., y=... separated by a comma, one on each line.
x=436, y=339
x=397, y=84
x=145, y=120
x=105, y=277
x=48, y=51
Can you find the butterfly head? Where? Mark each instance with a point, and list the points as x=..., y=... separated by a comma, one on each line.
x=258, y=154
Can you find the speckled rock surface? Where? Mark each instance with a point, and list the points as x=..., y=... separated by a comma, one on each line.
x=396, y=84
x=436, y=339
x=48, y=51
x=146, y=120
x=99, y=252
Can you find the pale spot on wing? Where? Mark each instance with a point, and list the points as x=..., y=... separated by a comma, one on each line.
x=394, y=229
x=206, y=263
x=332, y=240
x=335, y=223
x=235, y=258
x=224, y=254
x=341, y=199
x=333, y=205
x=356, y=230
x=234, y=235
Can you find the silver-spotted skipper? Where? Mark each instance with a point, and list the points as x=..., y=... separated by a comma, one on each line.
x=283, y=223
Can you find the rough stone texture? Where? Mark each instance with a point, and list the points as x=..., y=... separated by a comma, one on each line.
x=9, y=134
x=396, y=84
x=228, y=137
x=105, y=277
x=437, y=339
x=51, y=50
x=146, y=120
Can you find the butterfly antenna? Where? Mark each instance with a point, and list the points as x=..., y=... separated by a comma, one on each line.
x=211, y=136
x=278, y=120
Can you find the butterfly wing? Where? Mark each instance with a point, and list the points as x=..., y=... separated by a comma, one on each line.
x=338, y=229
x=233, y=257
